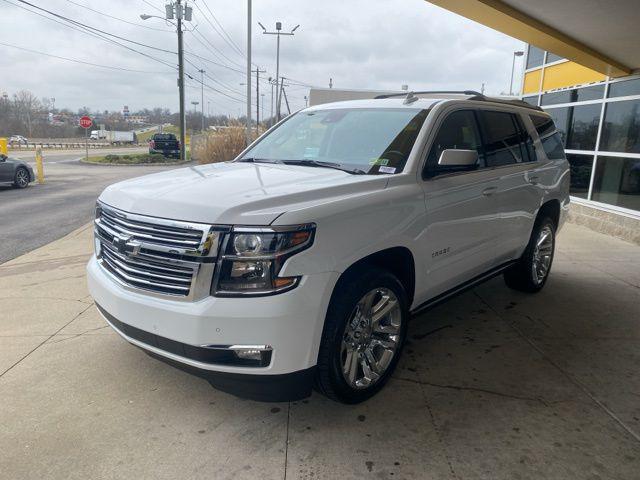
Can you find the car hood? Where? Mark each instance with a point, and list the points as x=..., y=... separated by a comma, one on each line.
x=235, y=193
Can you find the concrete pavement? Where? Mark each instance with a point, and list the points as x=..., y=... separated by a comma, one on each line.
x=494, y=384
x=39, y=214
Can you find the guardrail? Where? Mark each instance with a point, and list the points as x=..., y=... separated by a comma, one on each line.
x=67, y=145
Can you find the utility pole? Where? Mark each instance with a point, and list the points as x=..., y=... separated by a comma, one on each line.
x=258, y=72
x=183, y=118
x=248, y=72
x=331, y=83
x=271, y=82
x=202, y=72
x=179, y=12
x=278, y=32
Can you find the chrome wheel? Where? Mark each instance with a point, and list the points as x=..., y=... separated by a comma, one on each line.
x=371, y=338
x=542, y=254
x=22, y=178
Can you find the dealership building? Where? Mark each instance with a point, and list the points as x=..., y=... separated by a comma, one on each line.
x=582, y=66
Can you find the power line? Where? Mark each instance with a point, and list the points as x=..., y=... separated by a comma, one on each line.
x=228, y=39
x=116, y=18
x=217, y=50
x=87, y=31
x=78, y=61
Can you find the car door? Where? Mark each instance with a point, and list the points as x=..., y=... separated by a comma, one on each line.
x=458, y=242
x=509, y=152
x=6, y=169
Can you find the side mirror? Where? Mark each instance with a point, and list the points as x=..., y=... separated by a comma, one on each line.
x=3, y=157
x=458, y=159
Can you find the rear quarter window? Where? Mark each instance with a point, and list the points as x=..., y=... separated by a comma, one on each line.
x=549, y=136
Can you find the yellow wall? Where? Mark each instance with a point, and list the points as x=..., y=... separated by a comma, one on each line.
x=568, y=74
x=532, y=81
x=561, y=75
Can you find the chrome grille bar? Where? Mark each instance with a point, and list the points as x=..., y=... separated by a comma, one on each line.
x=159, y=256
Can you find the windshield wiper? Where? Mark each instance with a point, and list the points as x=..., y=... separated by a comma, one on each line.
x=321, y=164
x=259, y=160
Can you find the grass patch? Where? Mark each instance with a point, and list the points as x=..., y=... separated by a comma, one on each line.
x=133, y=159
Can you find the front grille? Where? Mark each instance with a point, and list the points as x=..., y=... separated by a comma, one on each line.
x=181, y=237
x=148, y=275
x=155, y=255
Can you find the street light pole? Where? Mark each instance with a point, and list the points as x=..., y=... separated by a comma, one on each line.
x=513, y=66
x=248, y=72
x=278, y=32
x=202, y=97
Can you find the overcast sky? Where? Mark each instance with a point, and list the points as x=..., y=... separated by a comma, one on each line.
x=371, y=44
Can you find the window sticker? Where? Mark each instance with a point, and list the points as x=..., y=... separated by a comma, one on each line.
x=379, y=161
x=384, y=169
x=311, y=152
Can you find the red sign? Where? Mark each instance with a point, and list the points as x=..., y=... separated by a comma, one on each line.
x=85, y=122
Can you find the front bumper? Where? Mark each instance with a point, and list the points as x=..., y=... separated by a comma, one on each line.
x=178, y=332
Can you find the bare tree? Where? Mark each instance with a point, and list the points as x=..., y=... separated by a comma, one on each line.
x=26, y=108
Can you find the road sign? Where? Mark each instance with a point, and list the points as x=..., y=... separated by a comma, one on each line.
x=85, y=122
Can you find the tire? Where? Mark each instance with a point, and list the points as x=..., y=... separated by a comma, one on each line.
x=532, y=270
x=345, y=341
x=21, y=178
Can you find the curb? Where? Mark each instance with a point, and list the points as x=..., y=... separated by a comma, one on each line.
x=135, y=164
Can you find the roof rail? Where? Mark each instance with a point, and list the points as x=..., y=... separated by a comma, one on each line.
x=410, y=97
x=459, y=92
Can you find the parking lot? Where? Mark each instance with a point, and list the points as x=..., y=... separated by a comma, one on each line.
x=493, y=384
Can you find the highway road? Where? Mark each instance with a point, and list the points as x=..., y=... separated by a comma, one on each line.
x=39, y=214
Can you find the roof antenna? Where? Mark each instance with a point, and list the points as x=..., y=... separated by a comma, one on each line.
x=409, y=99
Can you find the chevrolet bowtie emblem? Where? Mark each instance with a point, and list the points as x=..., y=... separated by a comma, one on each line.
x=125, y=245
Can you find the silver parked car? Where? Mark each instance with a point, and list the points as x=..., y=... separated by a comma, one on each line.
x=15, y=171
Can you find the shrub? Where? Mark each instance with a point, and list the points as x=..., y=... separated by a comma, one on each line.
x=220, y=146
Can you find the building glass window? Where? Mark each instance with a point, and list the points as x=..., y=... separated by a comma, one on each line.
x=531, y=100
x=552, y=57
x=621, y=128
x=580, y=169
x=553, y=98
x=624, y=88
x=535, y=57
x=560, y=117
x=595, y=92
x=617, y=182
x=583, y=127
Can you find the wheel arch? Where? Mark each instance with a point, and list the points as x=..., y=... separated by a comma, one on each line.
x=397, y=260
x=551, y=209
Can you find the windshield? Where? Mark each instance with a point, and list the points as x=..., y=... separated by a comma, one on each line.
x=367, y=140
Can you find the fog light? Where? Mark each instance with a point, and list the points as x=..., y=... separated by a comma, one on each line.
x=253, y=355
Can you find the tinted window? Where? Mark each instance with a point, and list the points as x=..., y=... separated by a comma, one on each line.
x=503, y=141
x=550, y=138
x=596, y=92
x=560, y=117
x=617, y=182
x=535, y=57
x=583, y=127
x=459, y=132
x=621, y=129
x=552, y=57
x=580, y=168
x=164, y=136
x=622, y=89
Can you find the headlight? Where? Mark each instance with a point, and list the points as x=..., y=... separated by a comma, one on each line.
x=253, y=257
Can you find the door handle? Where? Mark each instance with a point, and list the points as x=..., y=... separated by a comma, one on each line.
x=534, y=180
x=489, y=191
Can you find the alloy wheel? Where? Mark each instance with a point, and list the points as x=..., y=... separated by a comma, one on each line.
x=371, y=338
x=542, y=254
x=22, y=178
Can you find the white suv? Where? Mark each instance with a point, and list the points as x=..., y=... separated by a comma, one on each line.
x=300, y=263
